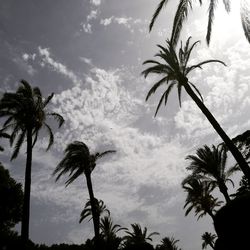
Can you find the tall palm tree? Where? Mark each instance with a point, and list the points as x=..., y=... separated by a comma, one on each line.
x=26, y=114
x=77, y=161
x=210, y=164
x=199, y=197
x=138, y=236
x=174, y=70
x=100, y=208
x=185, y=6
x=208, y=240
x=109, y=233
x=168, y=243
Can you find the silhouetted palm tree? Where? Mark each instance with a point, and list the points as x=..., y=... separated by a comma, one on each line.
x=109, y=233
x=100, y=208
x=199, y=197
x=138, y=236
x=182, y=12
x=174, y=70
x=168, y=243
x=210, y=164
x=3, y=135
x=76, y=162
x=26, y=113
x=208, y=240
x=244, y=188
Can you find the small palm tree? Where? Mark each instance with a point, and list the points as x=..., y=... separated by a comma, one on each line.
x=138, y=236
x=182, y=13
x=199, y=197
x=210, y=164
x=76, y=162
x=208, y=240
x=168, y=243
x=109, y=233
x=174, y=70
x=100, y=208
x=26, y=114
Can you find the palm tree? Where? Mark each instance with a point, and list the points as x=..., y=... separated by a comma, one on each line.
x=244, y=188
x=3, y=135
x=108, y=233
x=208, y=240
x=26, y=113
x=199, y=197
x=210, y=164
x=77, y=161
x=168, y=243
x=174, y=70
x=138, y=236
x=100, y=208
x=182, y=12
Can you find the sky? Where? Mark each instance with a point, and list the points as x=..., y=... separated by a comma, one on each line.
x=90, y=54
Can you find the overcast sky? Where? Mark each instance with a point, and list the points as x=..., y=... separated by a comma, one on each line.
x=90, y=54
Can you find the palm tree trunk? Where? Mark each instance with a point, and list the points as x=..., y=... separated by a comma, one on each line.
x=27, y=185
x=94, y=212
x=223, y=190
x=233, y=149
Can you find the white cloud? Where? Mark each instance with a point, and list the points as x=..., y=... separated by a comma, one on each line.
x=96, y=2
x=92, y=15
x=87, y=27
x=86, y=60
x=128, y=22
x=27, y=57
x=24, y=65
x=57, y=66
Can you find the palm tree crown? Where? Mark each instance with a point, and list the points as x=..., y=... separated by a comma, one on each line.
x=138, y=236
x=210, y=164
x=168, y=243
x=26, y=110
x=100, y=207
x=174, y=69
x=199, y=197
x=208, y=240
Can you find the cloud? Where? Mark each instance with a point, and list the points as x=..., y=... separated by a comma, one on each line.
x=127, y=22
x=92, y=15
x=24, y=65
x=57, y=66
x=95, y=2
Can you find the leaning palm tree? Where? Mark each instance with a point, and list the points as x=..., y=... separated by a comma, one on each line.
x=174, y=70
x=208, y=240
x=199, y=197
x=26, y=114
x=100, y=208
x=76, y=162
x=185, y=6
x=168, y=243
x=210, y=164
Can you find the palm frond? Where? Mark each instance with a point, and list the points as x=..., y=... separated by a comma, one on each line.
x=156, y=86
x=58, y=117
x=211, y=10
x=198, y=92
x=180, y=16
x=156, y=13
x=18, y=144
